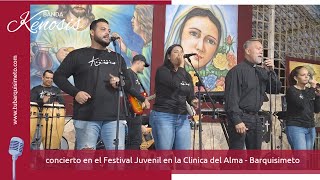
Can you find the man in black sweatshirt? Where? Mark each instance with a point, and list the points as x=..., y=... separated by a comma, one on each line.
x=95, y=70
x=135, y=120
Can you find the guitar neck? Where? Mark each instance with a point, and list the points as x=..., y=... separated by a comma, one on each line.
x=151, y=97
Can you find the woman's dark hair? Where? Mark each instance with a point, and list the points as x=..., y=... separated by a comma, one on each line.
x=294, y=73
x=167, y=62
x=203, y=13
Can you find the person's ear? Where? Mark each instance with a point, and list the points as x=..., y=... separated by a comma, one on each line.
x=91, y=32
x=247, y=51
x=295, y=78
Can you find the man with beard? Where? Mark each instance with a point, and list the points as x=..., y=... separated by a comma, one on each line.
x=246, y=85
x=61, y=42
x=95, y=70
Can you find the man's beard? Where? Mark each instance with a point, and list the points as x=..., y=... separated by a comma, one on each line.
x=101, y=42
x=77, y=13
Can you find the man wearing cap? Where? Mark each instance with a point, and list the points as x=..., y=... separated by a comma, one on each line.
x=135, y=121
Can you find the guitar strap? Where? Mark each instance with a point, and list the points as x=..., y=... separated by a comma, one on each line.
x=133, y=114
x=140, y=83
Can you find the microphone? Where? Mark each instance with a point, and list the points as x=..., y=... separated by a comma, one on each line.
x=310, y=79
x=266, y=58
x=189, y=55
x=112, y=38
x=15, y=149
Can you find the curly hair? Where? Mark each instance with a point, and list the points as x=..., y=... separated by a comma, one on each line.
x=145, y=19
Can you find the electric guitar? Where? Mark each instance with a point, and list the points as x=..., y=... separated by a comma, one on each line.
x=136, y=105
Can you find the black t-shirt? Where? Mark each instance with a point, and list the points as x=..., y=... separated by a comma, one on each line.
x=134, y=85
x=301, y=106
x=90, y=69
x=173, y=89
x=38, y=92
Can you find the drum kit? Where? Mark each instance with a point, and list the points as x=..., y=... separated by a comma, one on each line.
x=47, y=126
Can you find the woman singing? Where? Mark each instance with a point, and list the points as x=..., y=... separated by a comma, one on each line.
x=173, y=86
x=303, y=102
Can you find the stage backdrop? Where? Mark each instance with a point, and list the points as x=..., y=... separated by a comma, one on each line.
x=63, y=28
x=209, y=31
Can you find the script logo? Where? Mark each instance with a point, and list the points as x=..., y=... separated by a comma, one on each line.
x=97, y=62
x=40, y=25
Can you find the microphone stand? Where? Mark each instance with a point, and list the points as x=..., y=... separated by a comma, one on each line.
x=199, y=84
x=270, y=104
x=38, y=130
x=46, y=136
x=119, y=94
x=271, y=72
x=52, y=120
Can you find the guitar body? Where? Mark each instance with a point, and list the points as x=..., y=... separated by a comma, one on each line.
x=135, y=103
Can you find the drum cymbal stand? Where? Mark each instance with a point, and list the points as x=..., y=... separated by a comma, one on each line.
x=46, y=115
x=52, y=115
x=194, y=126
x=37, y=139
x=38, y=131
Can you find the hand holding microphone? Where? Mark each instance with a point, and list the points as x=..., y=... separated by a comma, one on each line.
x=268, y=64
x=313, y=83
x=112, y=38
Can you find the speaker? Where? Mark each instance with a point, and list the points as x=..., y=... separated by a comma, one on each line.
x=266, y=126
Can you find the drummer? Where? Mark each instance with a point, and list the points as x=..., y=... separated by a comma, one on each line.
x=46, y=93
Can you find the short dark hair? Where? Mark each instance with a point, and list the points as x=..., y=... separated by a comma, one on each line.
x=47, y=71
x=94, y=23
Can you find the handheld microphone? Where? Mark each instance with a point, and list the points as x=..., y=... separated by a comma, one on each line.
x=15, y=149
x=311, y=78
x=189, y=55
x=263, y=62
x=112, y=38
